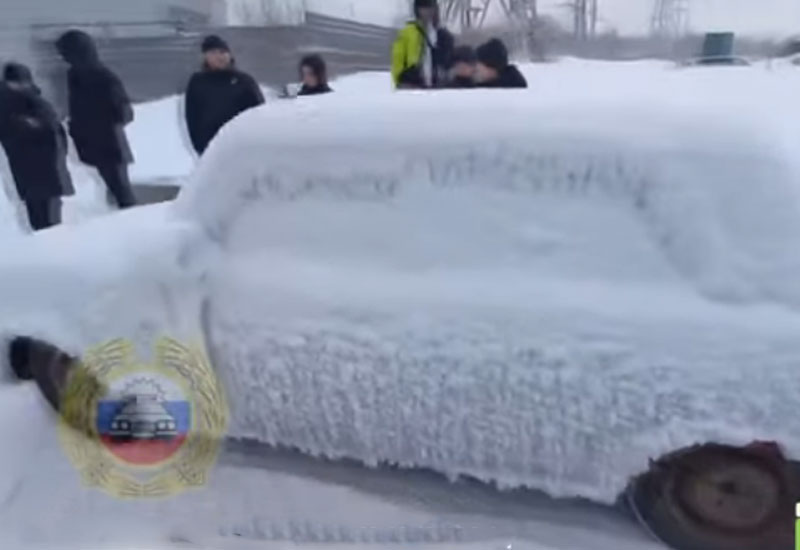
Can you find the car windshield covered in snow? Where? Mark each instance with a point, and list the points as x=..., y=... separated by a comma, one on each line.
x=484, y=294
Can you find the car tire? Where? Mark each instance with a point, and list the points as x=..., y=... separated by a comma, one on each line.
x=716, y=497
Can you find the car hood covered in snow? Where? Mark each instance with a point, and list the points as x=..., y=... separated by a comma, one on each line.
x=524, y=290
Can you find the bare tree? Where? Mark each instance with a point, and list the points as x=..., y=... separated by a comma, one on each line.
x=585, y=15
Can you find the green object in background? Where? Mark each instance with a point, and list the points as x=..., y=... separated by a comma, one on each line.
x=719, y=44
x=797, y=527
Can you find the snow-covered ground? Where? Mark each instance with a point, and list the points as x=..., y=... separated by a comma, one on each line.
x=656, y=207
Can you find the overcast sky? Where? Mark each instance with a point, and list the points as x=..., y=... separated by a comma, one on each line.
x=755, y=17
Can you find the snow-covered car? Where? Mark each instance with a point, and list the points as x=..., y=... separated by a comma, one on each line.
x=595, y=300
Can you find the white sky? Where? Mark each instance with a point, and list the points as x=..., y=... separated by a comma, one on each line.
x=753, y=17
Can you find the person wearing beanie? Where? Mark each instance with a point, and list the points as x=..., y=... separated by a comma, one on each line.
x=421, y=52
x=314, y=74
x=217, y=94
x=36, y=147
x=494, y=70
x=99, y=110
x=462, y=73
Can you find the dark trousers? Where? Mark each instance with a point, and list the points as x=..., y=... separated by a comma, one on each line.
x=119, y=185
x=44, y=213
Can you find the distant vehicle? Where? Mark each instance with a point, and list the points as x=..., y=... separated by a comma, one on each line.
x=718, y=50
x=718, y=61
x=540, y=299
x=143, y=417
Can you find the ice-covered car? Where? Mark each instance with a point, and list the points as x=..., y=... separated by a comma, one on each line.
x=595, y=300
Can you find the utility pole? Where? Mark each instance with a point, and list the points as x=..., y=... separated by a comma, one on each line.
x=670, y=18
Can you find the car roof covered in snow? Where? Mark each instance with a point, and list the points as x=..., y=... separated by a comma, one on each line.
x=378, y=133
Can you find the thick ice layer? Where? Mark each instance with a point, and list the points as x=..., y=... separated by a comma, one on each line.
x=523, y=289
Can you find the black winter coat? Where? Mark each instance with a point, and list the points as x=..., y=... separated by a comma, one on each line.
x=461, y=82
x=510, y=77
x=316, y=90
x=99, y=108
x=214, y=98
x=35, y=143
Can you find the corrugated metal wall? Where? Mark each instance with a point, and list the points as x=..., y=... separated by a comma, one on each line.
x=25, y=12
x=158, y=66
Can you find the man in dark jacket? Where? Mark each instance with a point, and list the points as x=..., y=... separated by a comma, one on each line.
x=99, y=110
x=36, y=146
x=217, y=94
x=494, y=70
x=314, y=75
x=463, y=71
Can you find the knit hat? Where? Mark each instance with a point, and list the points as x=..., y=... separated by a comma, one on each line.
x=464, y=54
x=214, y=42
x=17, y=72
x=493, y=54
x=424, y=4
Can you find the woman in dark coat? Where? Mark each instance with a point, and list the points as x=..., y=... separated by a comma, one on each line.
x=314, y=74
x=99, y=110
x=36, y=146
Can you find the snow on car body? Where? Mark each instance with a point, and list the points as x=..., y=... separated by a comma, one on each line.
x=527, y=292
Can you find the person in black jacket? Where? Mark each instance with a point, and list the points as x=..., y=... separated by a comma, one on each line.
x=463, y=71
x=99, y=110
x=314, y=75
x=36, y=146
x=217, y=94
x=494, y=70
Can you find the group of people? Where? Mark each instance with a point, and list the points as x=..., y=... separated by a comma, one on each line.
x=36, y=143
x=424, y=56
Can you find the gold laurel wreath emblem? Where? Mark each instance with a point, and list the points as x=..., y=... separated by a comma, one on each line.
x=190, y=466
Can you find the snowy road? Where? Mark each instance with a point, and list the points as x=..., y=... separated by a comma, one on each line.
x=258, y=495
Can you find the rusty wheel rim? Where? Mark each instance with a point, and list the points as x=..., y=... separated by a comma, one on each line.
x=730, y=494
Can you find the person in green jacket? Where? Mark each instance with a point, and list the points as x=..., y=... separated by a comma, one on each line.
x=421, y=48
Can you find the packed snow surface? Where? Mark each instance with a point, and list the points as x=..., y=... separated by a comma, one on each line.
x=540, y=288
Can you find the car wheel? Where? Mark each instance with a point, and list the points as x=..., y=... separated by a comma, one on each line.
x=716, y=497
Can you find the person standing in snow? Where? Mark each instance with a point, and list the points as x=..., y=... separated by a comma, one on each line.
x=462, y=75
x=314, y=75
x=421, y=52
x=217, y=94
x=99, y=110
x=36, y=146
x=494, y=70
